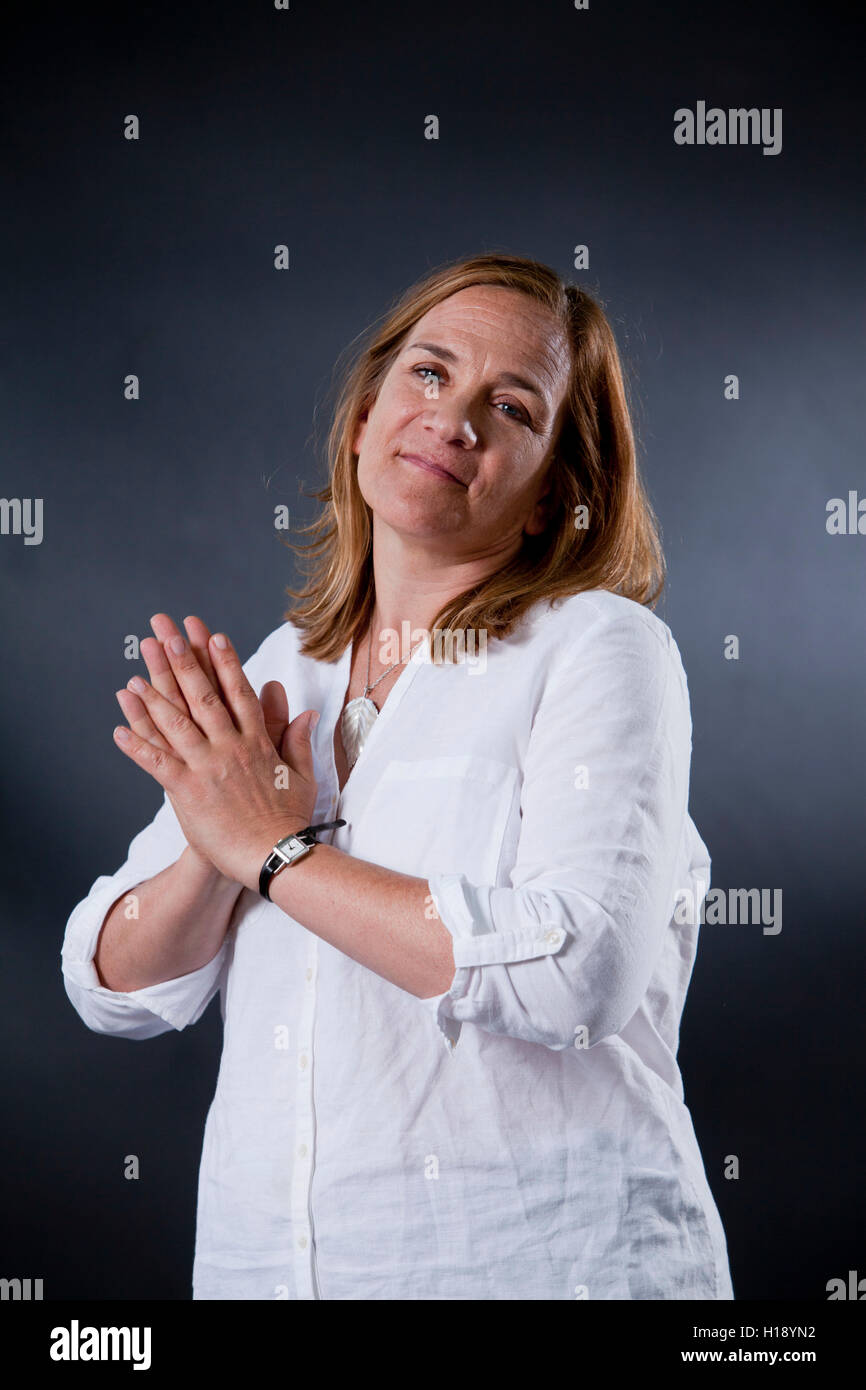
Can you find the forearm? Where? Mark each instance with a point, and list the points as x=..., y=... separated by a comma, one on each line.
x=384, y=920
x=183, y=913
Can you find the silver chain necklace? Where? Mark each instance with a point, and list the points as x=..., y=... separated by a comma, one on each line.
x=360, y=714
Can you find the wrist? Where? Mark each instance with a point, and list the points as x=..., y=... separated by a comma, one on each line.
x=288, y=825
x=269, y=865
x=209, y=874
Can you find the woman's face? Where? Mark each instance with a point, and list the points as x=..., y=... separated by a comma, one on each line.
x=481, y=399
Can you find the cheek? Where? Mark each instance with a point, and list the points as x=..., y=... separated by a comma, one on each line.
x=388, y=432
x=404, y=406
x=366, y=472
x=509, y=482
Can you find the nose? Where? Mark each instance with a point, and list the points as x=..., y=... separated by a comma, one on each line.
x=450, y=421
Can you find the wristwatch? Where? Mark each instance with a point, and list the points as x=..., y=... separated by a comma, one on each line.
x=289, y=850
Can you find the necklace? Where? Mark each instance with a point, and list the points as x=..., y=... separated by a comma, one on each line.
x=360, y=714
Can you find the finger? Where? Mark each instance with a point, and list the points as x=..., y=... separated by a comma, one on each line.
x=161, y=765
x=160, y=672
x=238, y=694
x=275, y=709
x=159, y=668
x=139, y=720
x=199, y=636
x=164, y=627
x=301, y=744
x=184, y=738
x=205, y=703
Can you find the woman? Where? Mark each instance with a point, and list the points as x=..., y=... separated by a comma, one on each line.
x=507, y=848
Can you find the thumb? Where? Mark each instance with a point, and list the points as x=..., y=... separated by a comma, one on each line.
x=297, y=739
x=275, y=709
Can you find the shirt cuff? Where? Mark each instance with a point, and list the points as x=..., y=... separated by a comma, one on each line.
x=178, y=1002
x=464, y=908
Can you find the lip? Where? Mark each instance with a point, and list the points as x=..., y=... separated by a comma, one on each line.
x=434, y=468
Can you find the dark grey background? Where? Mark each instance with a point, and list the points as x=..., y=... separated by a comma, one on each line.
x=156, y=257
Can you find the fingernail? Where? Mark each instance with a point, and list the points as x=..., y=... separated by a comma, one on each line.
x=314, y=719
x=176, y=644
x=220, y=641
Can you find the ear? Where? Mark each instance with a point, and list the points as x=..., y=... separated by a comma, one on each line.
x=360, y=431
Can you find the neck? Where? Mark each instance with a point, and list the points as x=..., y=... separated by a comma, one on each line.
x=413, y=581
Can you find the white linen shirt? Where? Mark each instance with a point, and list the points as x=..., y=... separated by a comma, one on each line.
x=524, y=1134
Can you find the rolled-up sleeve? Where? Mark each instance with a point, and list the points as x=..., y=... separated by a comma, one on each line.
x=139, y=1013
x=144, y=1013
x=568, y=948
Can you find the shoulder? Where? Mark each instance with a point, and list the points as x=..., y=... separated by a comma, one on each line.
x=276, y=653
x=598, y=637
x=571, y=625
x=279, y=658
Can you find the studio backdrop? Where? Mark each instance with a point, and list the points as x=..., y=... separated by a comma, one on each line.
x=205, y=207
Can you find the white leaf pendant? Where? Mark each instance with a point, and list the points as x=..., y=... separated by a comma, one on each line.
x=357, y=720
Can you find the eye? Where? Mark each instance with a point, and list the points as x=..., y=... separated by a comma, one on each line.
x=519, y=413
x=428, y=371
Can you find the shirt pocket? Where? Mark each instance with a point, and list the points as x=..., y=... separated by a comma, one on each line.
x=446, y=814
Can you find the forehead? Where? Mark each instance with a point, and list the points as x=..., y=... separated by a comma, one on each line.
x=508, y=328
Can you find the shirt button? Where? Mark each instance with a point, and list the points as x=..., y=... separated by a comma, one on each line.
x=302, y=1241
x=309, y=973
x=553, y=937
x=302, y=1060
x=302, y=1150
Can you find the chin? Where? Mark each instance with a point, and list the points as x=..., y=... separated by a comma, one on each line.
x=417, y=521
x=405, y=510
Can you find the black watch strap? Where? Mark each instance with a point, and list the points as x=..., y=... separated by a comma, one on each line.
x=287, y=850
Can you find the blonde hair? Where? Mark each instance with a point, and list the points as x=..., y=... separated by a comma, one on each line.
x=594, y=463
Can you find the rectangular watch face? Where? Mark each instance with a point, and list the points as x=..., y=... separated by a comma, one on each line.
x=292, y=848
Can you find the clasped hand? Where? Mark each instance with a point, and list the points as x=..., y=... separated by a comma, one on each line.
x=238, y=774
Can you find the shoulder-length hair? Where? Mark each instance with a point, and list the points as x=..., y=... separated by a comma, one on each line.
x=593, y=464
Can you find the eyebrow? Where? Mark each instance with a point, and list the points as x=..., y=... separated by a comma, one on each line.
x=511, y=377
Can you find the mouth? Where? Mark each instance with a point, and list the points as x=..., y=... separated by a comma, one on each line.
x=433, y=468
